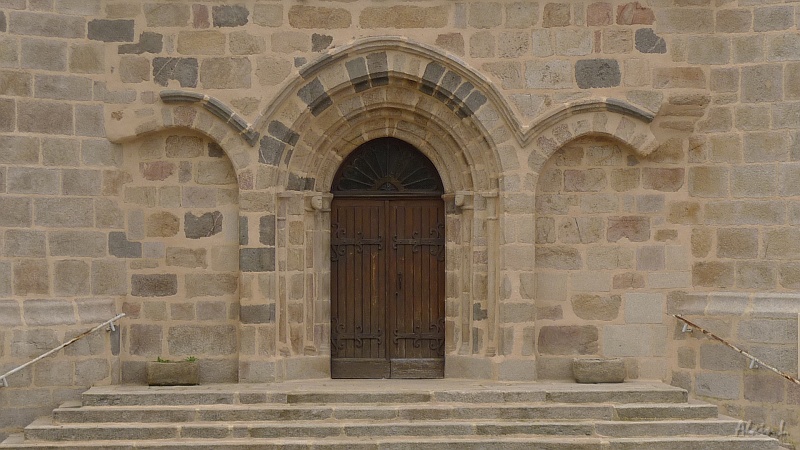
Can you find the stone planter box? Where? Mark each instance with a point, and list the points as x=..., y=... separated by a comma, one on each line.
x=177, y=373
x=598, y=370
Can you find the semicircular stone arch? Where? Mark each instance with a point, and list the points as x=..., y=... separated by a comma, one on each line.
x=379, y=81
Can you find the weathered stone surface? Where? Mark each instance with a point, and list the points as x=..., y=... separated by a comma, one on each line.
x=558, y=257
x=64, y=212
x=134, y=69
x=215, y=173
x=205, y=285
x=596, y=307
x=157, y=285
x=485, y=15
x=225, y=73
x=762, y=83
x=205, y=225
x=257, y=313
x=272, y=71
x=268, y=15
x=71, y=278
x=121, y=247
x=597, y=73
x=47, y=25
x=182, y=70
x=229, y=15
x=660, y=179
x=160, y=14
x=647, y=41
x=684, y=20
x=634, y=13
x=404, y=16
x=109, y=277
x=45, y=117
x=157, y=170
x=597, y=370
x=315, y=17
x=679, y=77
x=43, y=54
x=86, y=58
x=25, y=243
x=555, y=74
x=633, y=228
x=556, y=15
x=184, y=146
x=111, y=30
x=161, y=224
x=149, y=42
x=257, y=259
x=186, y=257
x=22, y=180
x=207, y=42
x=243, y=43
x=145, y=340
x=773, y=18
x=77, y=243
x=522, y=14
x=568, y=340
x=31, y=276
x=202, y=340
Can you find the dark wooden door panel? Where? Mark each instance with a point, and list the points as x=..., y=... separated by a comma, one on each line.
x=357, y=279
x=387, y=288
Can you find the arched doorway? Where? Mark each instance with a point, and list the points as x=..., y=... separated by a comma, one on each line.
x=387, y=264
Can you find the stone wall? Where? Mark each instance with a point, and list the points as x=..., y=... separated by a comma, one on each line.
x=606, y=163
x=610, y=246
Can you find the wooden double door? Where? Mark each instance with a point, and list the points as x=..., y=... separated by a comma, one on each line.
x=387, y=287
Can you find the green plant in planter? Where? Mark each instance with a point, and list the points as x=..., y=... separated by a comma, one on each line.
x=164, y=372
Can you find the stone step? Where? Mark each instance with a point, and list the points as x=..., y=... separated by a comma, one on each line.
x=408, y=443
x=453, y=411
x=238, y=413
x=45, y=430
x=666, y=411
x=636, y=392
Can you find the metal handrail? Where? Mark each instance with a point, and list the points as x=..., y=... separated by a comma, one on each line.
x=4, y=382
x=754, y=362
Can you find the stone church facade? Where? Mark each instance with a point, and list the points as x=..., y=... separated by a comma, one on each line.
x=603, y=165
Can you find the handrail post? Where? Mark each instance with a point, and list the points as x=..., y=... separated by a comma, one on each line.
x=4, y=377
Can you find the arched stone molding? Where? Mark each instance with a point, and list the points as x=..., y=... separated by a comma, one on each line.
x=611, y=118
x=187, y=110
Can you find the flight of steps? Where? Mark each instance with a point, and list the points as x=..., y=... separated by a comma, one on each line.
x=388, y=414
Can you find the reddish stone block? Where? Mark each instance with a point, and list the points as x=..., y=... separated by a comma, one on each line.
x=599, y=14
x=634, y=14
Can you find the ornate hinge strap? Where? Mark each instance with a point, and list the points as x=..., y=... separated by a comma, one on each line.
x=339, y=242
x=436, y=337
x=435, y=242
x=338, y=335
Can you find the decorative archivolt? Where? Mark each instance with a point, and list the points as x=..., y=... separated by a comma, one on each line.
x=343, y=89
